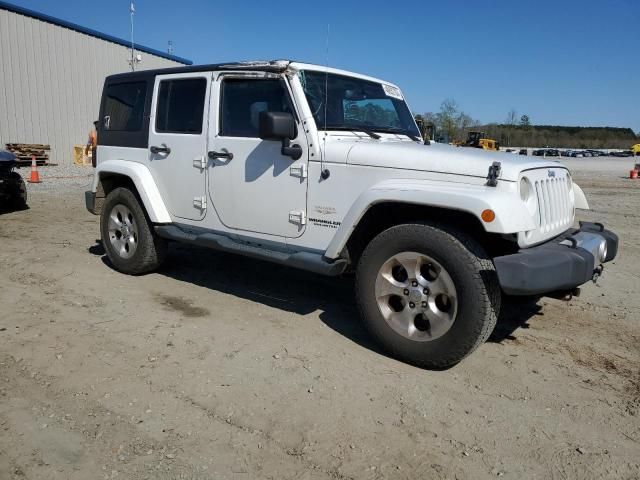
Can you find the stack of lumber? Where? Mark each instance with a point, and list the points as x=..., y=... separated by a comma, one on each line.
x=25, y=151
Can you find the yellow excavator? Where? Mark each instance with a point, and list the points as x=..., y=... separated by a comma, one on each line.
x=480, y=140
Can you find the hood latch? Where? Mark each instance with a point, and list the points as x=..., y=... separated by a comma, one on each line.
x=494, y=173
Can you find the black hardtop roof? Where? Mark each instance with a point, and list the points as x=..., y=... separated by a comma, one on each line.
x=274, y=66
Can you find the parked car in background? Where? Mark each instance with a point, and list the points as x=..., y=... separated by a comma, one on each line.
x=13, y=191
x=523, y=151
x=623, y=153
x=565, y=153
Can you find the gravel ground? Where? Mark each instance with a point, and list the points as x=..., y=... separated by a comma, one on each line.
x=59, y=178
x=222, y=367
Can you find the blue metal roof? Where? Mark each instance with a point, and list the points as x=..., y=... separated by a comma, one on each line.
x=89, y=31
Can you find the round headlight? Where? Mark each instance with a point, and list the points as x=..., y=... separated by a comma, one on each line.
x=528, y=196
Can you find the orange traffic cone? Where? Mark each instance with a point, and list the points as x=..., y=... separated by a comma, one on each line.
x=35, y=176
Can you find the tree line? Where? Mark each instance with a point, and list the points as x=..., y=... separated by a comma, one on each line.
x=451, y=124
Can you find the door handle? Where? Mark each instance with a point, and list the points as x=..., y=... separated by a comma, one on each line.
x=215, y=155
x=161, y=149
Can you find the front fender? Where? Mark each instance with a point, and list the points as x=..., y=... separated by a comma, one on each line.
x=511, y=214
x=142, y=179
x=579, y=198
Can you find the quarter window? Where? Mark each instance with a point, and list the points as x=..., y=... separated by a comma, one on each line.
x=181, y=105
x=124, y=106
x=242, y=100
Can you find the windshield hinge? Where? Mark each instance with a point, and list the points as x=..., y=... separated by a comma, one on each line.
x=494, y=173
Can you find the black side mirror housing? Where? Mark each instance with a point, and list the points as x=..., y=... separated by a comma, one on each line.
x=280, y=126
x=276, y=126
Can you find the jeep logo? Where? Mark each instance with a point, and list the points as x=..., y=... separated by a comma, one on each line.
x=551, y=173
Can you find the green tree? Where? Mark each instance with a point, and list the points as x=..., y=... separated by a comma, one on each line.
x=525, y=122
x=447, y=119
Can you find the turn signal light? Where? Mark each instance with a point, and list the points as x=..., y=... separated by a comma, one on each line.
x=488, y=216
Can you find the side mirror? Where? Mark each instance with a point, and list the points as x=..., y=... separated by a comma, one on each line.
x=280, y=126
x=276, y=126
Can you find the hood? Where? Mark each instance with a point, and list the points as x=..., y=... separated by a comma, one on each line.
x=441, y=158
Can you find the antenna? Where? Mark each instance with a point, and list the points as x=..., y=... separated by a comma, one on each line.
x=324, y=172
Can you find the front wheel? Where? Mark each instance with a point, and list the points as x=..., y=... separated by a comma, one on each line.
x=427, y=293
x=127, y=234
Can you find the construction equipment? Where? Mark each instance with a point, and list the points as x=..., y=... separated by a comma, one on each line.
x=427, y=129
x=480, y=140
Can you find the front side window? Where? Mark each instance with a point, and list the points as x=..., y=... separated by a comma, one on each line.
x=242, y=100
x=124, y=106
x=339, y=102
x=180, y=105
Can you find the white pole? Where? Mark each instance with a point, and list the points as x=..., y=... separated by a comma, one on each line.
x=132, y=9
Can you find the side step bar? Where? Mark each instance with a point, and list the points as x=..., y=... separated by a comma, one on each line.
x=312, y=262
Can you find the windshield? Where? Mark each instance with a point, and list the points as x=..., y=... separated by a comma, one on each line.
x=356, y=104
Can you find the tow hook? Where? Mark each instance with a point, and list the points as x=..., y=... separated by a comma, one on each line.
x=565, y=295
x=597, y=272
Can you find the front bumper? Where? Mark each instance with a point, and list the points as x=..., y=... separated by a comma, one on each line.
x=561, y=264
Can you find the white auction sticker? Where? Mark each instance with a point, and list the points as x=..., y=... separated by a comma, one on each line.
x=392, y=91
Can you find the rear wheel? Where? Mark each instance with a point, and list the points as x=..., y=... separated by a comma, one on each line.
x=127, y=234
x=427, y=293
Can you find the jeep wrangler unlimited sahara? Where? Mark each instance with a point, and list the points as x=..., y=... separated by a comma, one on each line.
x=323, y=170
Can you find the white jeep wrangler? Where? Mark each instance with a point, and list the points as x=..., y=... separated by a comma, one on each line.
x=324, y=170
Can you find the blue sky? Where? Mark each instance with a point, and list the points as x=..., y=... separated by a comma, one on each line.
x=564, y=62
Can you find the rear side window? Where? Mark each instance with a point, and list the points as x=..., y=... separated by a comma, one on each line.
x=180, y=105
x=243, y=100
x=124, y=106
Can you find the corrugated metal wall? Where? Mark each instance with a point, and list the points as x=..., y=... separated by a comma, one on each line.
x=51, y=79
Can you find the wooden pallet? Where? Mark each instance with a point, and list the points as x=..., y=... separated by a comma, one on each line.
x=26, y=151
x=39, y=161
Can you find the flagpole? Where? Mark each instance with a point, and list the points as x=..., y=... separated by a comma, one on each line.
x=132, y=9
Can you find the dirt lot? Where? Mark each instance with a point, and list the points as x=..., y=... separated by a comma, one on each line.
x=219, y=367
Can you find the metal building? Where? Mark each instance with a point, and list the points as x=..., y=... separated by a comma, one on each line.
x=51, y=76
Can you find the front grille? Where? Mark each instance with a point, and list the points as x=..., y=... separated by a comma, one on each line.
x=554, y=204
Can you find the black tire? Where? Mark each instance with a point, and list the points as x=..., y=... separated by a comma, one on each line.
x=150, y=251
x=473, y=275
x=18, y=199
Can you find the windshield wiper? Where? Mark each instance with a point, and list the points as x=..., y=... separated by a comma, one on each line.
x=356, y=129
x=399, y=131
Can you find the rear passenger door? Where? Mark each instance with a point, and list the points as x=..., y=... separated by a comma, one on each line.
x=178, y=141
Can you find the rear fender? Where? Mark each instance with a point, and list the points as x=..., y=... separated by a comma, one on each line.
x=143, y=181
